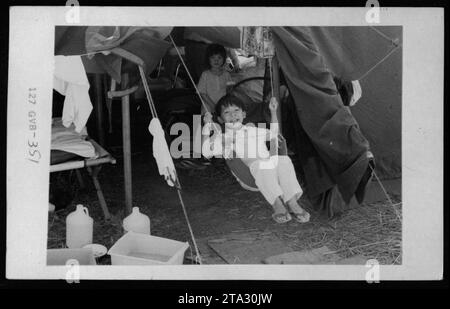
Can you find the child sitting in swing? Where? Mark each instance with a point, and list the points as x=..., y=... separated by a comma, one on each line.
x=274, y=175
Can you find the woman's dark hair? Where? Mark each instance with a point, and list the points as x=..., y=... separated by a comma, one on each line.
x=228, y=100
x=215, y=49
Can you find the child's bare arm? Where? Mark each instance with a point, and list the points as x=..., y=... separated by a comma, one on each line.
x=274, y=128
x=273, y=106
x=211, y=144
x=208, y=118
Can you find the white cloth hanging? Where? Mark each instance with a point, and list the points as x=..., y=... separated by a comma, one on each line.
x=357, y=92
x=161, y=152
x=258, y=41
x=71, y=81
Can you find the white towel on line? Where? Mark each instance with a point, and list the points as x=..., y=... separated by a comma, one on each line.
x=161, y=152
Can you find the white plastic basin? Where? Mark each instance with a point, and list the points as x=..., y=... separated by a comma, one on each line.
x=143, y=249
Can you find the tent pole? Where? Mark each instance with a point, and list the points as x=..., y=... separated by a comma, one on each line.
x=126, y=147
x=276, y=88
x=99, y=108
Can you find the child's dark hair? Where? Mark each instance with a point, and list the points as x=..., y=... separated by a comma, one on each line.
x=215, y=49
x=228, y=100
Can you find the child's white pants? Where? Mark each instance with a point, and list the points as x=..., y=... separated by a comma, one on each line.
x=276, y=179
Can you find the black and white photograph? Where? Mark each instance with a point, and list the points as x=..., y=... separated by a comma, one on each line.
x=288, y=147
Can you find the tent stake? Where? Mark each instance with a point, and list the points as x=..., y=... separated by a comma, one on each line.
x=126, y=147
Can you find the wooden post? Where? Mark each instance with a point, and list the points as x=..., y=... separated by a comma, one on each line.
x=99, y=108
x=108, y=102
x=276, y=88
x=126, y=147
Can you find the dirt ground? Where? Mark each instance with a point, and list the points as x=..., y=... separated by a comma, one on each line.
x=217, y=205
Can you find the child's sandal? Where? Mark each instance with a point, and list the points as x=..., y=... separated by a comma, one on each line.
x=301, y=217
x=281, y=217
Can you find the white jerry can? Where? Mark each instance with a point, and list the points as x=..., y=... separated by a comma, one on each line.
x=137, y=222
x=79, y=228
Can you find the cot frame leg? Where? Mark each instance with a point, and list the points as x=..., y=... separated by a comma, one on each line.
x=94, y=173
x=80, y=179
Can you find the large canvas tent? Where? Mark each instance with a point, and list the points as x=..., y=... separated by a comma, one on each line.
x=336, y=139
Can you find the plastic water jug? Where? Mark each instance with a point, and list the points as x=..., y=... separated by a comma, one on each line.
x=137, y=222
x=79, y=228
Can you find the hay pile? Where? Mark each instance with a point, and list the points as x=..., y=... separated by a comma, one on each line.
x=373, y=231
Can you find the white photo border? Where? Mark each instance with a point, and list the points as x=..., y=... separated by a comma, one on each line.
x=31, y=51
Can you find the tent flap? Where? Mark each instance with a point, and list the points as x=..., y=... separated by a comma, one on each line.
x=145, y=42
x=351, y=52
x=327, y=122
x=148, y=43
x=226, y=36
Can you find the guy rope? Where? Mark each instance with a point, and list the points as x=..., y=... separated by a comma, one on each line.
x=176, y=181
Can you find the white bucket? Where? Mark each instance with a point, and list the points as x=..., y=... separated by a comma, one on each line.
x=141, y=249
